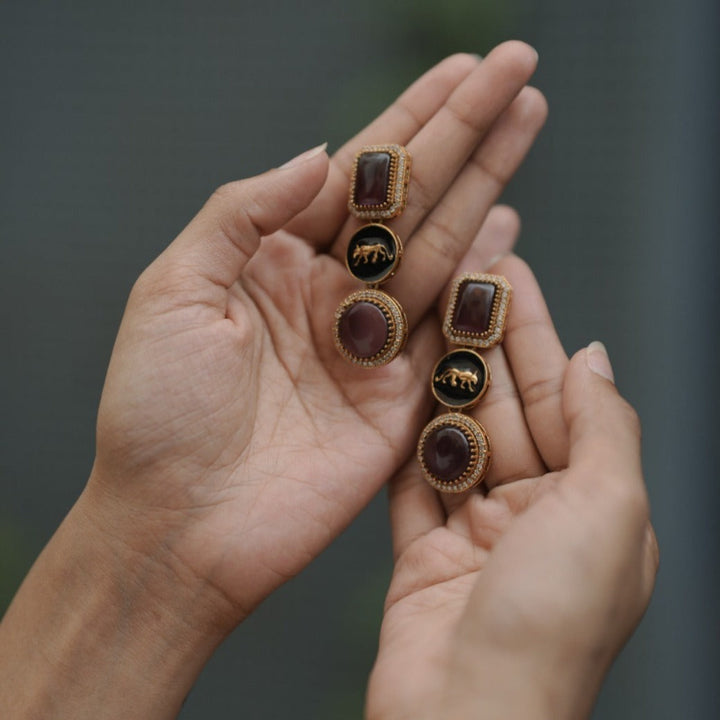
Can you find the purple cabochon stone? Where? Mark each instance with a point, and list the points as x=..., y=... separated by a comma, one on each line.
x=446, y=453
x=372, y=178
x=363, y=329
x=473, y=309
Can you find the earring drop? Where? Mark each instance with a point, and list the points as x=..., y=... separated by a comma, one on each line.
x=454, y=448
x=370, y=326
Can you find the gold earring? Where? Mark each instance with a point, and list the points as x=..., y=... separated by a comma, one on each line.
x=454, y=448
x=370, y=326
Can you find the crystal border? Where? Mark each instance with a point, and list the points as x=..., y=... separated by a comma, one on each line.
x=397, y=327
x=498, y=315
x=398, y=181
x=479, y=452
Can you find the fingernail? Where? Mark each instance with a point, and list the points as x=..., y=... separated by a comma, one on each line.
x=496, y=259
x=598, y=361
x=304, y=157
x=477, y=56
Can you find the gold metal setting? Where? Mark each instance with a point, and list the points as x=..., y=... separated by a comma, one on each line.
x=397, y=190
x=397, y=327
x=498, y=315
x=373, y=256
x=479, y=443
x=456, y=384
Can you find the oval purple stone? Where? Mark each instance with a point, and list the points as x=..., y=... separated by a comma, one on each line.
x=363, y=329
x=446, y=453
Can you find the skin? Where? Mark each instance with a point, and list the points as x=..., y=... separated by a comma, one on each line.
x=512, y=603
x=233, y=443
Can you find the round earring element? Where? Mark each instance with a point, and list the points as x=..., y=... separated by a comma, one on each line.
x=460, y=379
x=454, y=453
x=373, y=254
x=370, y=328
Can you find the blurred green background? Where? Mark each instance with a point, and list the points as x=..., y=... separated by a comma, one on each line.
x=118, y=119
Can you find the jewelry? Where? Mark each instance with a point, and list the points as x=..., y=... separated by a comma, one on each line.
x=370, y=326
x=454, y=448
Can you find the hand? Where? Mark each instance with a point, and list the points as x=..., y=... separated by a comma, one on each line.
x=512, y=604
x=233, y=442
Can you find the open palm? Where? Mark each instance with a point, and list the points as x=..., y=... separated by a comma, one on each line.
x=228, y=419
x=541, y=578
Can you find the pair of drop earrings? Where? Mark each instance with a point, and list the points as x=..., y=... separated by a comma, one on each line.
x=371, y=328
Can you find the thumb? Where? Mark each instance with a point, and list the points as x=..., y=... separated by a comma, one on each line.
x=227, y=231
x=604, y=428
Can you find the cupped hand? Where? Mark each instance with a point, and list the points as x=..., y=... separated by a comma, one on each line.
x=513, y=602
x=233, y=441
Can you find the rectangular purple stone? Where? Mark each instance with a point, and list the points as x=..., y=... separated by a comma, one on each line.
x=473, y=309
x=372, y=178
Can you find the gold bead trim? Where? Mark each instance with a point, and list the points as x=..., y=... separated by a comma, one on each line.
x=397, y=327
x=398, y=181
x=479, y=452
x=498, y=315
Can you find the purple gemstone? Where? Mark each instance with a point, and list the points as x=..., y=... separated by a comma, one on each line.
x=473, y=309
x=446, y=453
x=363, y=329
x=372, y=178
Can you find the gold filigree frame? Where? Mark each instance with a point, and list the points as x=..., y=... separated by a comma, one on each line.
x=479, y=452
x=498, y=315
x=397, y=327
x=398, y=181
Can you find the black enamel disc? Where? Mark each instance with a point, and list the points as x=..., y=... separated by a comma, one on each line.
x=373, y=253
x=460, y=379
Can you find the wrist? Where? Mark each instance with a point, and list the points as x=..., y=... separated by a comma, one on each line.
x=534, y=685
x=104, y=627
x=154, y=542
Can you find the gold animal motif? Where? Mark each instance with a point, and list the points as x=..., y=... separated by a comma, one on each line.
x=466, y=379
x=371, y=254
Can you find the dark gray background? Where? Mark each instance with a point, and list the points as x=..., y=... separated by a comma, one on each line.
x=118, y=119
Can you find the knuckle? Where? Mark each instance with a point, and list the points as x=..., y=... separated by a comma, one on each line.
x=227, y=193
x=420, y=195
x=540, y=390
x=629, y=418
x=463, y=61
x=443, y=241
x=653, y=548
x=465, y=116
x=504, y=219
x=631, y=501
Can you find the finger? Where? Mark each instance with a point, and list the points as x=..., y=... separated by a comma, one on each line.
x=322, y=221
x=497, y=238
x=442, y=147
x=652, y=560
x=537, y=361
x=415, y=508
x=604, y=429
x=225, y=234
x=443, y=238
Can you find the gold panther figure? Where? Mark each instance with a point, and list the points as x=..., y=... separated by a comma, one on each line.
x=466, y=379
x=371, y=254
